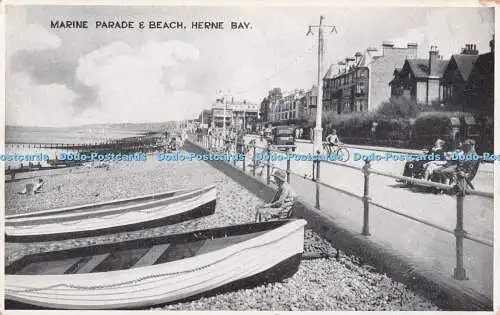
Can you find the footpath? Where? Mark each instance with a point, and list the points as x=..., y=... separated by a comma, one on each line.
x=484, y=167
x=422, y=257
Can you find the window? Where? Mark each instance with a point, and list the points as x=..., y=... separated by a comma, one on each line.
x=360, y=88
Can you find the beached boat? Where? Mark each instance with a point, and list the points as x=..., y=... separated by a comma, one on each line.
x=112, y=216
x=155, y=271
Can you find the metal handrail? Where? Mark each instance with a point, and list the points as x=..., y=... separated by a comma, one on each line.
x=459, y=233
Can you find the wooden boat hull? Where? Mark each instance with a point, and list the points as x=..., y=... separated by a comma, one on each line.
x=111, y=217
x=268, y=257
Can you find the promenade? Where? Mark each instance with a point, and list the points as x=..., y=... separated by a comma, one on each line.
x=430, y=250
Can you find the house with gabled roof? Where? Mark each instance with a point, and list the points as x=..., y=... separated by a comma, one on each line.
x=456, y=76
x=479, y=89
x=420, y=79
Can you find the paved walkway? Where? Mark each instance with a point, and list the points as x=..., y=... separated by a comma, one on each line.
x=485, y=167
x=430, y=249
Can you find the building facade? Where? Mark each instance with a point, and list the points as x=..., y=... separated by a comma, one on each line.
x=420, y=79
x=289, y=109
x=265, y=108
x=237, y=114
x=346, y=90
x=361, y=83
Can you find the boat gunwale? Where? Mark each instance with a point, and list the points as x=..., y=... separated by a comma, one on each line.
x=162, y=202
x=105, y=203
x=173, y=239
x=203, y=209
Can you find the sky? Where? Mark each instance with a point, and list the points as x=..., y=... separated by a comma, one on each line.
x=67, y=77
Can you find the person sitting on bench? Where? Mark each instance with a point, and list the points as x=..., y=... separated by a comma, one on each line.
x=281, y=205
x=462, y=168
x=416, y=168
x=432, y=166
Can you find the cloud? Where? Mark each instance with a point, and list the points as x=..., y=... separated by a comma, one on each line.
x=450, y=30
x=131, y=86
x=38, y=105
x=25, y=36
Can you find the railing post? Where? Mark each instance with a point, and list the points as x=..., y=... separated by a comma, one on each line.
x=288, y=167
x=366, y=199
x=317, y=184
x=268, y=164
x=234, y=153
x=244, y=158
x=459, y=272
x=254, y=160
x=315, y=162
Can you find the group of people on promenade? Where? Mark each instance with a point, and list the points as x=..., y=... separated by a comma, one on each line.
x=443, y=169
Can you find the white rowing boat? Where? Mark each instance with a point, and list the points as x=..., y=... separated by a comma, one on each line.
x=111, y=216
x=155, y=271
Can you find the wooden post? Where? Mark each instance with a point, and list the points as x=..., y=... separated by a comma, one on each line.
x=268, y=164
x=317, y=185
x=288, y=167
x=459, y=272
x=366, y=199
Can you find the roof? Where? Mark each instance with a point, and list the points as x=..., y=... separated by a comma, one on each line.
x=330, y=73
x=420, y=67
x=482, y=72
x=465, y=64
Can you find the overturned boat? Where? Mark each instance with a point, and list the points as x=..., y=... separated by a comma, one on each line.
x=115, y=216
x=155, y=271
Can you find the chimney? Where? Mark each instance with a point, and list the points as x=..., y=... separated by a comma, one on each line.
x=433, y=61
x=412, y=50
x=386, y=47
x=358, y=57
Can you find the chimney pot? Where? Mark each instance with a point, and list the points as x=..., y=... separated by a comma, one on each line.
x=433, y=59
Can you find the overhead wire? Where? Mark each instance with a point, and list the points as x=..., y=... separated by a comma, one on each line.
x=279, y=70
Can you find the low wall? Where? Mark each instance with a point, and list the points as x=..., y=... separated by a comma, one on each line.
x=444, y=293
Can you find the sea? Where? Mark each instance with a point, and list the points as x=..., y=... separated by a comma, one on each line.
x=18, y=138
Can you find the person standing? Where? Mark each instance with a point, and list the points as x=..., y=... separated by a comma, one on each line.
x=240, y=142
x=260, y=150
x=282, y=203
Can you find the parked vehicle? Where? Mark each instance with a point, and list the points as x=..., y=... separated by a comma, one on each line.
x=282, y=135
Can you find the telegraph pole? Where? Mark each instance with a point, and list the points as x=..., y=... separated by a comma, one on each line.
x=318, y=130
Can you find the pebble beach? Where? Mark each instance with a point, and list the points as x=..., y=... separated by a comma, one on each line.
x=329, y=284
